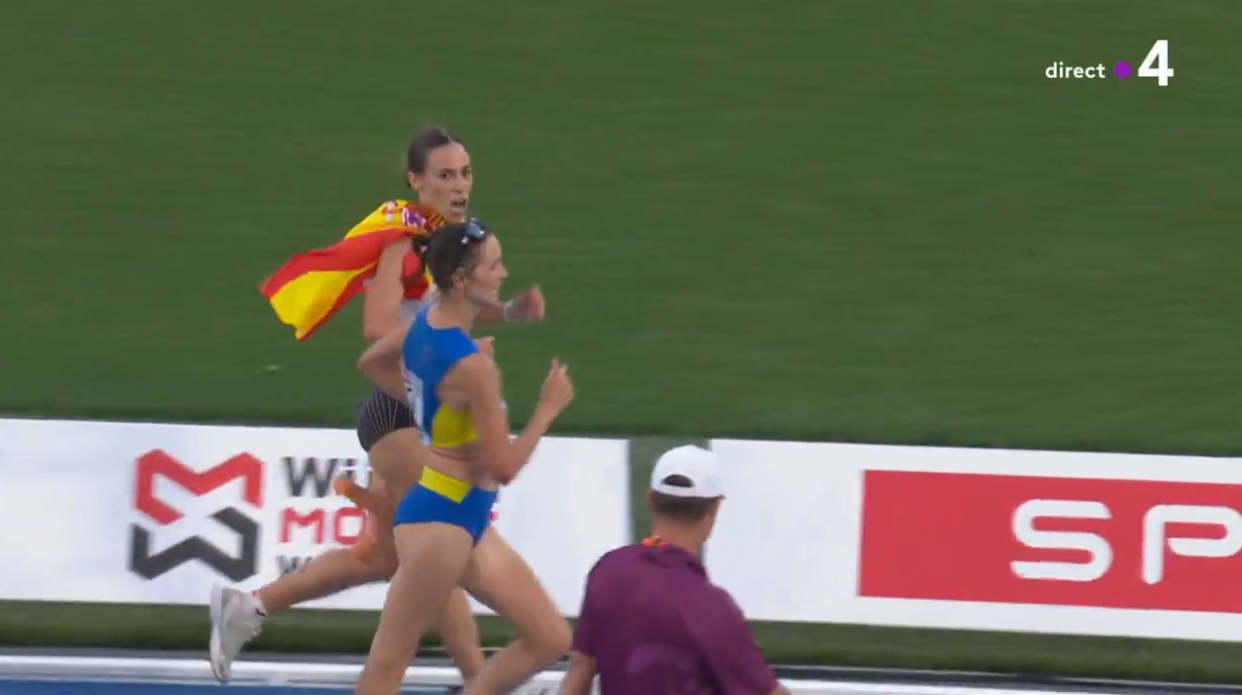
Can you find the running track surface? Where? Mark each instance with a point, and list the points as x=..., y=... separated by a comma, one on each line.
x=102, y=687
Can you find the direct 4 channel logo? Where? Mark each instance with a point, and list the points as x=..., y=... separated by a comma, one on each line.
x=153, y=511
x=1155, y=65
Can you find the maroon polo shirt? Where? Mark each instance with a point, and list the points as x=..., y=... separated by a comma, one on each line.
x=655, y=625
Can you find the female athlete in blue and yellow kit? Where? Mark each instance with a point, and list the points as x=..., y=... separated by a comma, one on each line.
x=439, y=171
x=442, y=529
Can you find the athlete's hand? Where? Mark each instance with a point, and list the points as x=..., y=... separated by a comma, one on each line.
x=557, y=391
x=486, y=346
x=527, y=305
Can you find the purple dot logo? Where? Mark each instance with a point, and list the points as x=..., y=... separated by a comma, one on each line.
x=1121, y=69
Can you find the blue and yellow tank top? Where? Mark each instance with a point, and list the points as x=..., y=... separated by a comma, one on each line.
x=427, y=354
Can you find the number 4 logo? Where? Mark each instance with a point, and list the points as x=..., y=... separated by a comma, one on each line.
x=1156, y=64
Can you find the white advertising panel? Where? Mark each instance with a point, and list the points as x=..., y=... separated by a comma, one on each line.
x=1106, y=544
x=153, y=513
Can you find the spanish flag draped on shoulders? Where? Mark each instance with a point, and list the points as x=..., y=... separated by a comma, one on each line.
x=307, y=290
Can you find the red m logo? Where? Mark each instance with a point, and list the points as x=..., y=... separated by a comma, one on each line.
x=244, y=466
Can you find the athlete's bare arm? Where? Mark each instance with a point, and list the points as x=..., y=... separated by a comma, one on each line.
x=490, y=314
x=579, y=676
x=477, y=378
x=381, y=363
x=381, y=305
x=525, y=306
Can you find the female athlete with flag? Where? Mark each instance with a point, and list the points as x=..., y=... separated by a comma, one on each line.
x=443, y=534
x=307, y=291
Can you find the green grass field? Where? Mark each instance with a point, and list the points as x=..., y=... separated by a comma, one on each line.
x=828, y=220
x=811, y=219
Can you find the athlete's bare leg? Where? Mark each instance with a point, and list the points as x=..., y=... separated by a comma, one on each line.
x=433, y=557
x=500, y=578
x=372, y=558
x=237, y=617
x=393, y=458
x=363, y=498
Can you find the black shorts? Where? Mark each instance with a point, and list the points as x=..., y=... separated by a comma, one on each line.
x=380, y=416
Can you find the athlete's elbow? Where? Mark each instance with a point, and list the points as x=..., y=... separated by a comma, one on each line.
x=367, y=364
x=504, y=471
x=379, y=320
x=374, y=330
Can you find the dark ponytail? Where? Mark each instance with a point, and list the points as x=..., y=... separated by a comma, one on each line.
x=420, y=245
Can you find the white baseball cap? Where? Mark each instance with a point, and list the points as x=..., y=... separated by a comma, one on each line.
x=696, y=464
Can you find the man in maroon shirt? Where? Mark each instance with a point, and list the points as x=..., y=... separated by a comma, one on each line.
x=651, y=623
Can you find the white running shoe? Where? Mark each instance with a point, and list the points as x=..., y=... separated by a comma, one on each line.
x=235, y=620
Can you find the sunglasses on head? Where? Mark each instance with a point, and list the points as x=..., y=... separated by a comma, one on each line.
x=475, y=231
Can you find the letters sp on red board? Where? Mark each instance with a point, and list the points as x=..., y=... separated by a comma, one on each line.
x=1052, y=541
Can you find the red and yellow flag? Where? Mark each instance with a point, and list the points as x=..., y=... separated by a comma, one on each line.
x=308, y=289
